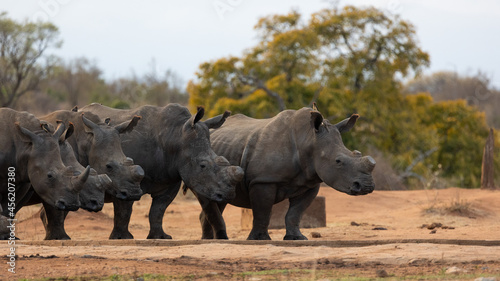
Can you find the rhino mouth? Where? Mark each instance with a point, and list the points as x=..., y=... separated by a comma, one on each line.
x=361, y=189
x=63, y=206
x=93, y=206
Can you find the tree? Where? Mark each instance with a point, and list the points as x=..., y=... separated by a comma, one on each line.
x=22, y=61
x=332, y=58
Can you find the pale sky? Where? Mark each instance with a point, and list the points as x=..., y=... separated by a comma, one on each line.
x=124, y=36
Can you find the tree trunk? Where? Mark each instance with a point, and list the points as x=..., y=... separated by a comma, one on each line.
x=487, y=169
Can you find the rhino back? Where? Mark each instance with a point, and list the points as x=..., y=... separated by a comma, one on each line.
x=264, y=148
x=153, y=143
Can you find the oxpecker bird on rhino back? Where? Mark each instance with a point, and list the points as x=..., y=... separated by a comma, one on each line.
x=172, y=146
x=34, y=157
x=285, y=157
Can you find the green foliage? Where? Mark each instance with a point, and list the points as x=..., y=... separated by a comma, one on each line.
x=22, y=61
x=350, y=60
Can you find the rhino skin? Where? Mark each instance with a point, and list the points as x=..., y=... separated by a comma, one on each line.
x=91, y=196
x=35, y=155
x=285, y=157
x=97, y=144
x=172, y=146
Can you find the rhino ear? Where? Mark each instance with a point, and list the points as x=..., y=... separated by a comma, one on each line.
x=197, y=117
x=27, y=135
x=347, y=124
x=69, y=132
x=316, y=120
x=217, y=121
x=61, y=127
x=128, y=126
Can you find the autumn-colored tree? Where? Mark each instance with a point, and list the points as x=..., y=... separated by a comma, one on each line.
x=350, y=60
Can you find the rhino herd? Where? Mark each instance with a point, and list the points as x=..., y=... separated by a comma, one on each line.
x=83, y=158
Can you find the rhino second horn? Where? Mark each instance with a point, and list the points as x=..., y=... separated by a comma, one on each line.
x=105, y=180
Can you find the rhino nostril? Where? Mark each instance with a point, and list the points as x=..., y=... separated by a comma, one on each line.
x=122, y=195
x=61, y=205
x=218, y=197
x=356, y=186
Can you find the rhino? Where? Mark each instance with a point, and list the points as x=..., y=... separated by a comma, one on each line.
x=285, y=157
x=97, y=144
x=91, y=196
x=34, y=157
x=172, y=146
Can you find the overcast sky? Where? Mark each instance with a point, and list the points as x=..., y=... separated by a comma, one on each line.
x=123, y=36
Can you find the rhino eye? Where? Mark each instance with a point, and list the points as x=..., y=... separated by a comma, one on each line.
x=338, y=161
x=50, y=176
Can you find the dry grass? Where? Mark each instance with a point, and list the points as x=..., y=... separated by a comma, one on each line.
x=454, y=207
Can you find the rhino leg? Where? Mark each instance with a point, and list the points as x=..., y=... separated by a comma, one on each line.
x=4, y=231
x=122, y=212
x=53, y=222
x=298, y=205
x=157, y=211
x=212, y=222
x=261, y=199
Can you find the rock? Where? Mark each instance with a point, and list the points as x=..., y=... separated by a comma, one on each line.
x=379, y=228
x=381, y=273
x=353, y=223
x=433, y=231
x=315, y=234
x=455, y=270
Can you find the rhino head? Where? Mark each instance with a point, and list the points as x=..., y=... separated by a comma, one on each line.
x=106, y=156
x=202, y=170
x=92, y=194
x=57, y=184
x=346, y=171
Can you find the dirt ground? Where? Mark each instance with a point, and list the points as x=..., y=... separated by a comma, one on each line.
x=377, y=235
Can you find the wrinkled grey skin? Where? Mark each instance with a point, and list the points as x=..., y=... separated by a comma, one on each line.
x=35, y=155
x=171, y=146
x=285, y=157
x=97, y=144
x=91, y=196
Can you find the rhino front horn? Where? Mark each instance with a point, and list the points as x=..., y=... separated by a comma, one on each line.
x=81, y=179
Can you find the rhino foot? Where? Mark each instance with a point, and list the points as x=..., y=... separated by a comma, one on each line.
x=259, y=236
x=159, y=236
x=121, y=235
x=295, y=237
x=6, y=236
x=57, y=237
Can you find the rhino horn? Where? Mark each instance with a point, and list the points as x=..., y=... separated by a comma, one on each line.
x=89, y=124
x=81, y=179
x=369, y=163
x=105, y=180
x=217, y=121
x=197, y=117
x=27, y=135
x=128, y=126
